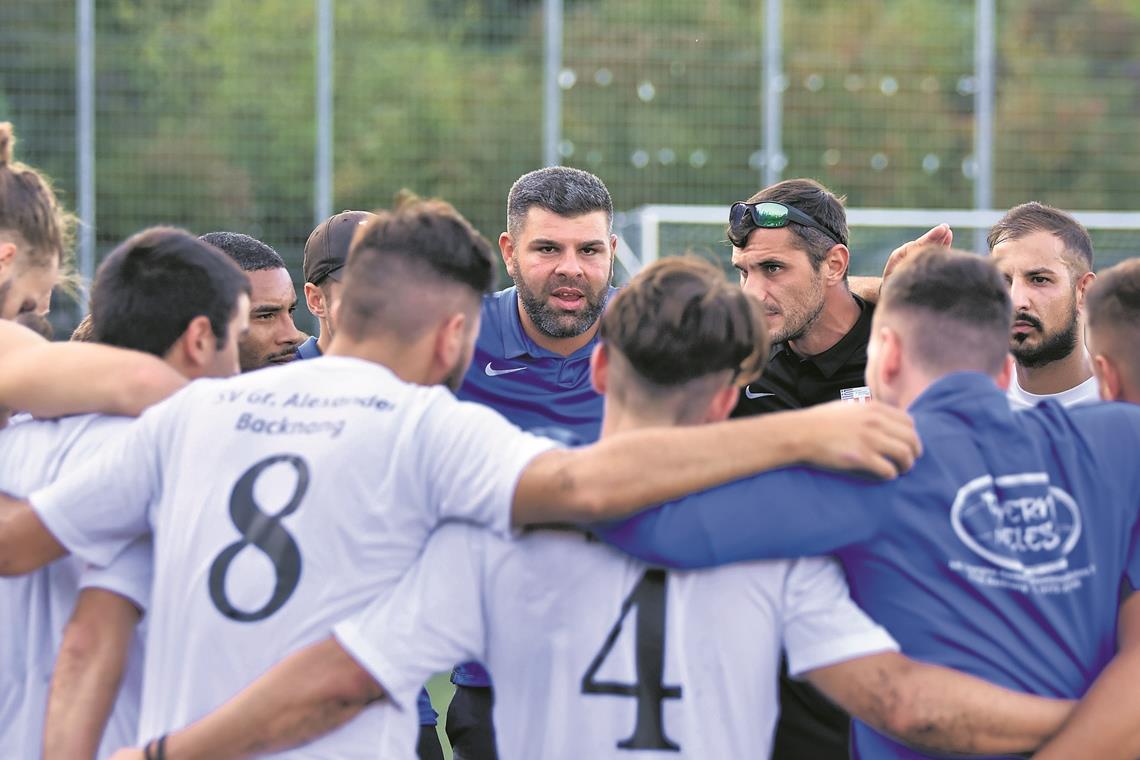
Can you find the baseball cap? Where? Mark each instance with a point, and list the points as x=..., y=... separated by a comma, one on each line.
x=326, y=250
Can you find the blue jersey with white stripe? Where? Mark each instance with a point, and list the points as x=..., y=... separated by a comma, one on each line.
x=536, y=389
x=1001, y=554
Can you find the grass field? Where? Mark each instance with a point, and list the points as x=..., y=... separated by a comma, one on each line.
x=440, y=689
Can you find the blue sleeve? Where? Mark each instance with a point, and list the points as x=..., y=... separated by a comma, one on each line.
x=794, y=512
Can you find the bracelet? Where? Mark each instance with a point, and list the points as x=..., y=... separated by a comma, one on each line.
x=155, y=749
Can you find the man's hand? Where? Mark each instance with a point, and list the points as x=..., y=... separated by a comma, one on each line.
x=868, y=288
x=941, y=236
x=870, y=437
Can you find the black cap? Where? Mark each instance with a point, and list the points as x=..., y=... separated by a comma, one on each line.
x=326, y=250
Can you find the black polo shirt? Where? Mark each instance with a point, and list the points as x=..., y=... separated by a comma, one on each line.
x=793, y=382
x=809, y=725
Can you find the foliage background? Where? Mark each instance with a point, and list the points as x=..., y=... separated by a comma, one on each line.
x=205, y=108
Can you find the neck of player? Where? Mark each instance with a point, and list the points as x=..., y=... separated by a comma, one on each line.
x=560, y=346
x=1057, y=376
x=411, y=362
x=840, y=313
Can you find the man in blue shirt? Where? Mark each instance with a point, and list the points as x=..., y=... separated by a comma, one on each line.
x=532, y=357
x=988, y=556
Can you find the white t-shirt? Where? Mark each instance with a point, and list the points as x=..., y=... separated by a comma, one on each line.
x=35, y=608
x=584, y=643
x=281, y=501
x=1086, y=393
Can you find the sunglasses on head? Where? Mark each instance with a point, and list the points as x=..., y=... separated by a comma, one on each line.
x=744, y=217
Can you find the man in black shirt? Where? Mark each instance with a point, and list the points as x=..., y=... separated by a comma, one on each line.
x=790, y=247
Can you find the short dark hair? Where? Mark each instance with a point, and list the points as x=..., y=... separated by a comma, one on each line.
x=816, y=201
x=680, y=319
x=1031, y=217
x=249, y=253
x=958, y=306
x=1113, y=303
x=420, y=242
x=560, y=190
x=29, y=209
x=148, y=290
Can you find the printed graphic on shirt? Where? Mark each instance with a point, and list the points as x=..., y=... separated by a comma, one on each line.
x=859, y=395
x=1026, y=527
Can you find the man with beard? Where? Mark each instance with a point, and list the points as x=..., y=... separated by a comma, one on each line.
x=532, y=358
x=1046, y=257
x=789, y=243
x=790, y=247
x=273, y=337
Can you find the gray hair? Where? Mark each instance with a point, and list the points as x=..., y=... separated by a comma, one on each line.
x=558, y=189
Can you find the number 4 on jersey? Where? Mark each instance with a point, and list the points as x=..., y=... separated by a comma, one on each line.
x=649, y=598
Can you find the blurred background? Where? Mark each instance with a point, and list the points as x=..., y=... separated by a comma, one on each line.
x=264, y=116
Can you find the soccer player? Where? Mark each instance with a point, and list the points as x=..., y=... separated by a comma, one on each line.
x=273, y=337
x=1113, y=309
x=168, y=294
x=594, y=654
x=532, y=357
x=1046, y=256
x=326, y=253
x=326, y=477
x=1001, y=553
x=36, y=376
x=789, y=244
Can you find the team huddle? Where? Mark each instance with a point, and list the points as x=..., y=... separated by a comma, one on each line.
x=918, y=536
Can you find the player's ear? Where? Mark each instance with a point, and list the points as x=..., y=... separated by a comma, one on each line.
x=7, y=257
x=1083, y=283
x=599, y=368
x=835, y=263
x=1004, y=377
x=507, y=249
x=722, y=403
x=450, y=340
x=1108, y=378
x=315, y=301
x=196, y=347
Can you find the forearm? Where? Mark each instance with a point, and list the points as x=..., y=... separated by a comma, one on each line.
x=941, y=710
x=25, y=542
x=627, y=472
x=57, y=379
x=1106, y=723
x=300, y=699
x=87, y=674
x=866, y=288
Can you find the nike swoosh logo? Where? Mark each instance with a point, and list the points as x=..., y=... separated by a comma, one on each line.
x=492, y=372
x=748, y=393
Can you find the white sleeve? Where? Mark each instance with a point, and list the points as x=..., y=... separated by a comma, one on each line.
x=98, y=507
x=476, y=459
x=822, y=625
x=432, y=621
x=129, y=575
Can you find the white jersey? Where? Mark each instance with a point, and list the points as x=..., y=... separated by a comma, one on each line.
x=1087, y=392
x=594, y=654
x=281, y=501
x=36, y=607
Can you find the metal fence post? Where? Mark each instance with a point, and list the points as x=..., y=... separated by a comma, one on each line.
x=85, y=141
x=984, y=55
x=322, y=191
x=773, y=96
x=552, y=93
